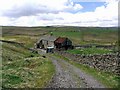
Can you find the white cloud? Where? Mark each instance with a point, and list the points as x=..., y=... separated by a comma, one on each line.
x=5, y=21
x=56, y=12
x=18, y=8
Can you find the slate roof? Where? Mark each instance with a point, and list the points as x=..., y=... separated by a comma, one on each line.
x=47, y=38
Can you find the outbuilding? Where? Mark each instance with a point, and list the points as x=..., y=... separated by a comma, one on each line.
x=63, y=43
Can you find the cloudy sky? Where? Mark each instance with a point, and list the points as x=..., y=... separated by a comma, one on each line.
x=59, y=12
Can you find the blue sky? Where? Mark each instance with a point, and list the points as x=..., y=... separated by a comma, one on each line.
x=90, y=6
x=59, y=12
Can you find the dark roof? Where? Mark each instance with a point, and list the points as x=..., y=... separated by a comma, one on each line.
x=47, y=38
x=60, y=40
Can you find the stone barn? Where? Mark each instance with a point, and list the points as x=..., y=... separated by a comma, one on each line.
x=63, y=43
x=45, y=42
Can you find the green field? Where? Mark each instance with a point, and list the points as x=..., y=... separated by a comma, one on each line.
x=90, y=51
x=23, y=68
x=78, y=35
x=89, y=35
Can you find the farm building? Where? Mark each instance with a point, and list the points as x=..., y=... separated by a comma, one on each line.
x=63, y=43
x=46, y=41
x=53, y=42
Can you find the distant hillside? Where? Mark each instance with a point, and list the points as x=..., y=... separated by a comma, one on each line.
x=79, y=35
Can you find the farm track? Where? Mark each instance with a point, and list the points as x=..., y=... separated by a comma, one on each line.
x=69, y=76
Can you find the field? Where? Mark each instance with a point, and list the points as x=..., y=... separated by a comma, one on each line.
x=24, y=68
x=89, y=35
x=90, y=51
x=26, y=36
x=21, y=67
x=79, y=35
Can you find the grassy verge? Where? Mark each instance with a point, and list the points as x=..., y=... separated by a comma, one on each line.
x=22, y=68
x=108, y=79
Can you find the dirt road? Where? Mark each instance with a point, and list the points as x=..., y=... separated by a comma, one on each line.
x=69, y=76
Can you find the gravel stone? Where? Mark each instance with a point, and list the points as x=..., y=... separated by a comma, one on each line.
x=69, y=76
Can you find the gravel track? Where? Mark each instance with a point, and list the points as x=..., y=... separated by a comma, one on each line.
x=69, y=76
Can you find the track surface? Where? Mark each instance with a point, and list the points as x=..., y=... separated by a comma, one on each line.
x=69, y=76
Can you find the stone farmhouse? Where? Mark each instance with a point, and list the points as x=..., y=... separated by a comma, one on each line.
x=50, y=41
x=46, y=41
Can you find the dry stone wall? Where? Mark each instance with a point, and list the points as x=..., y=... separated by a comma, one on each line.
x=105, y=62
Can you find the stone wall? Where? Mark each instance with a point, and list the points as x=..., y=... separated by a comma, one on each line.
x=105, y=62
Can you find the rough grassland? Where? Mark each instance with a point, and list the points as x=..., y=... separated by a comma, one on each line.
x=79, y=35
x=21, y=68
x=89, y=35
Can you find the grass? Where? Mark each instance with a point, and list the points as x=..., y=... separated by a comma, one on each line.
x=78, y=35
x=29, y=69
x=27, y=41
x=108, y=79
x=88, y=35
x=22, y=68
x=90, y=51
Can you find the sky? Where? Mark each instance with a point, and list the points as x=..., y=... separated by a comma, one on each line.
x=94, y=13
